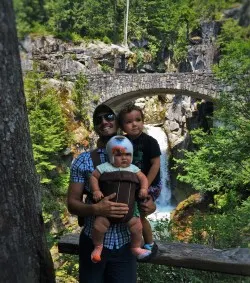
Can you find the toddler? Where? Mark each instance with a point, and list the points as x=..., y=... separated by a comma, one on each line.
x=146, y=157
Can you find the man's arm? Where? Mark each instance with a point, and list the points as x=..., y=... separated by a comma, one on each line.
x=105, y=207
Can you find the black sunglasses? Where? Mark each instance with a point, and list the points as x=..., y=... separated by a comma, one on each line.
x=108, y=117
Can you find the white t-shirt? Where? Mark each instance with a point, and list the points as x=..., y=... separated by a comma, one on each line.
x=108, y=167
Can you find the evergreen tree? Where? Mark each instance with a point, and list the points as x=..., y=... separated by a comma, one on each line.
x=138, y=20
x=212, y=9
x=47, y=125
x=65, y=16
x=29, y=14
x=48, y=136
x=165, y=24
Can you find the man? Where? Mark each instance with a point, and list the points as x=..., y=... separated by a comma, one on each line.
x=118, y=264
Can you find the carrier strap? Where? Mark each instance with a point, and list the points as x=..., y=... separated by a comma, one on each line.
x=95, y=156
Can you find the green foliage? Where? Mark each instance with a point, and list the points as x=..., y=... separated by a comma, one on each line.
x=153, y=273
x=138, y=59
x=163, y=24
x=216, y=229
x=222, y=161
x=161, y=228
x=180, y=46
x=61, y=182
x=47, y=126
x=48, y=135
x=38, y=29
x=76, y=38
x=212, y=9
x=30, y=15
x=64, y=16
x=82, y=17
x=49, y=138
x=229, y=30
x=225, y=202
x=68, y=271
x=33, y=88
x=83, y=98
x=106, y=40
x=154, y=47
x=220, y=164
x=170, y=22
x=106, y=68
x=138, y=20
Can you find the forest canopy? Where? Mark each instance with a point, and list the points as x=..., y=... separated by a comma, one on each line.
x=162, y=23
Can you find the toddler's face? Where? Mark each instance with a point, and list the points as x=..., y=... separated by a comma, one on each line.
x=133, y=123
x=122, y=159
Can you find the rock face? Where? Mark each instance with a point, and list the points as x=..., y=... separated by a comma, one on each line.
x=202, y=51
x=59, y=58
x=185, y=113
x=245, y=14
x=240, y=12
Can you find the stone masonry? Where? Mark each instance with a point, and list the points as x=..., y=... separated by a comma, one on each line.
x=117, y=89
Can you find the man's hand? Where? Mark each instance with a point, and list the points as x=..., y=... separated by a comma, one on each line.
x=147, y=206
x=108, y=208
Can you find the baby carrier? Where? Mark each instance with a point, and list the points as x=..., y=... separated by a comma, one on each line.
x=123, y=183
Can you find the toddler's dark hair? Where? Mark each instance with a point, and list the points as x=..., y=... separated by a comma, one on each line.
x=127, y=109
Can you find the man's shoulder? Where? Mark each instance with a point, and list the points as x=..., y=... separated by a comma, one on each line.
x=87, y=154
x=83, y=155
x=81, y=158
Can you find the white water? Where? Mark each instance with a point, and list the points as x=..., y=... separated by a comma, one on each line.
x=163, y=203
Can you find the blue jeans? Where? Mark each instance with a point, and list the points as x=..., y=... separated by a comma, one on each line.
x=116, y=266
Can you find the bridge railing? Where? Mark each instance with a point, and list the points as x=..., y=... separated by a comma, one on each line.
x=193, y=256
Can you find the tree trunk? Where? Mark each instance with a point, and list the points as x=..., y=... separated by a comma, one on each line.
x=126, y=24
x=24, y=254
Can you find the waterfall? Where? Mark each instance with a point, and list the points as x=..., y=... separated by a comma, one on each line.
x=163, y=203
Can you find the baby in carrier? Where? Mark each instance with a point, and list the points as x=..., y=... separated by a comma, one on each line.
x=123, y=178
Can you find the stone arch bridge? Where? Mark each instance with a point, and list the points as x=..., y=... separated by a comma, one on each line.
x=116, y=89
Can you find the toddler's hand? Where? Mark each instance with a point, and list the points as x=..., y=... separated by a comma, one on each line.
x=143, y=193
x=98, y=195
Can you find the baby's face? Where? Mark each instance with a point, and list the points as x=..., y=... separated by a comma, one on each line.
x=122, y=160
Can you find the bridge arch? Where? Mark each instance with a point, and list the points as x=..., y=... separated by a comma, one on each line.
x=115, y=89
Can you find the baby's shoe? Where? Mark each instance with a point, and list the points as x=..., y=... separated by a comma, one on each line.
x=140, y=253
x=96, y=254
